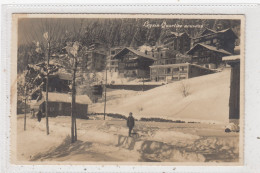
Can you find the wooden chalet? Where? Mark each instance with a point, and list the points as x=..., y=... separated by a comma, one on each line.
x=60, y=104
x=176, y=72
x=112, y=63
x=177, y=41
x=59, y=82
x=223, y=39
x=133, y=63
x=209, y=48
x=206, y=55
x=95, y=60
x=234, y=98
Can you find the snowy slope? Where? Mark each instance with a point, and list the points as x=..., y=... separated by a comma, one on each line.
x=207, y=101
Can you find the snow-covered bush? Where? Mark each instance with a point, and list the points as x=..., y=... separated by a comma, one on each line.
x=231, y=127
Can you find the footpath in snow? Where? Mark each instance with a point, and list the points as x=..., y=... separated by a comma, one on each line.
x=100, y=140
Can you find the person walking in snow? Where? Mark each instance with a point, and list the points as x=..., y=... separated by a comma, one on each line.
x=39, y=115
x=130, y=123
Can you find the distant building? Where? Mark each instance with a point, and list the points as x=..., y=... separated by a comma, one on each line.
x=176, y=72
x=177, y=41
x=162, y=55
x=207, y=56
x=222, y=39
x=59, y=82
x=209, y=48
x=166, y=56
x=60, y=104
x=98, y=46
x=95, y=61
x=172, y=49
x=133, y=63
x=112, y=63
x=114, y=51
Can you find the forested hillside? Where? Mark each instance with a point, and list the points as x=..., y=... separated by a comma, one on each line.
x=110, y=32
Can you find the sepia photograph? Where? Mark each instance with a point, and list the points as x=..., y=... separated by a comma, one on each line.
x=127, y=88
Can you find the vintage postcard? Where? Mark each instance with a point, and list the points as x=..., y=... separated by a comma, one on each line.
x=129, y=89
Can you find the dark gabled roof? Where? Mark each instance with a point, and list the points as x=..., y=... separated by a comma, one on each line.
x=208, y=30
x=216, y=32
x=141, y=54
x=212, y=48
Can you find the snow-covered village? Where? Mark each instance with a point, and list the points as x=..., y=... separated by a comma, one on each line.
x=128, y=90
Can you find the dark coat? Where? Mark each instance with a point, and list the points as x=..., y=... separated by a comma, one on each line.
x=130, y=121
x=39, y=116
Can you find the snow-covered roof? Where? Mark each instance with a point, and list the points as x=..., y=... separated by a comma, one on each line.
x=210, y=48
x=178, y=65
x=51, y=62
x=169, y=65
x=237, y=50
x=66, y=98
x=64, y=76
x=141, y=54
x=231, y=58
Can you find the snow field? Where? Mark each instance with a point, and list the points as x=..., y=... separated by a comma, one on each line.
x=207, y=100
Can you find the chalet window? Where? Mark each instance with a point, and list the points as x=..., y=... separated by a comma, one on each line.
x=175, y=69
x=168, y=71
x=183, y=68
x=208, y=42
x=215, y=40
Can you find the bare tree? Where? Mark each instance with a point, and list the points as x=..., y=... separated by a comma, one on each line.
x=48, y=35
x=184, y=89
x=75, y=52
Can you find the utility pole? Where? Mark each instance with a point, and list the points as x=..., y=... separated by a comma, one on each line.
x=143, y=83
x=72, y=118
x=73, y=100
x=47, y=87
x=105, y=87
x=25, y=108
x=72, y=106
